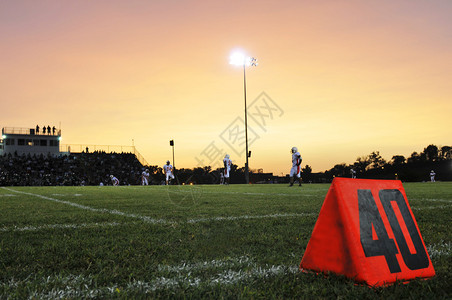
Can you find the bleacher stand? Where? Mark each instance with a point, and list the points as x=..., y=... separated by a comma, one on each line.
x=72, y=170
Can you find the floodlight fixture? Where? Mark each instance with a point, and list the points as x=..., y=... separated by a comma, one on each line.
x=238, y=58
x=251, y=62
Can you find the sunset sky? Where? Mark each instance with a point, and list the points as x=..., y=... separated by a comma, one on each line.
x=343, y=77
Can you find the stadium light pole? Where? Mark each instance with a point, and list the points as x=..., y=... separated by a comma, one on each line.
x=171, y=142
x=240, y=59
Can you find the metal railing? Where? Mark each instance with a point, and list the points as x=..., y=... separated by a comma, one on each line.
x=79, y=148
x=30, y=131
x=15, y=130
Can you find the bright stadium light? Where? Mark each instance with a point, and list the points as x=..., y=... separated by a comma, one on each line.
x=238, y=58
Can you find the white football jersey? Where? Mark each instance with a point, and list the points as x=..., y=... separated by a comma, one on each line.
x=168, y=168
x=227, y=162
x=296, y=159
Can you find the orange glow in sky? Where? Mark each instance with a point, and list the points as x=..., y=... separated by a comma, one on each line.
x=349, y=77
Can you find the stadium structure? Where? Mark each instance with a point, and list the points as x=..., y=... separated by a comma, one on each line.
x=30, y=157
x=31, y=141
x=28, y=141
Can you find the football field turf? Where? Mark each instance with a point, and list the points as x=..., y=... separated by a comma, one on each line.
x=210, y=241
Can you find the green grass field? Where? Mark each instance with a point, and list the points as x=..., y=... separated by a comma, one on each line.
x=196, y=242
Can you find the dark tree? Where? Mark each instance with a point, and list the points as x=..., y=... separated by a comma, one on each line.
x=340, y=170
x=361, y=164
x=415, y=157
x=376, y=160
x=431, y=153
x=446, y=153
x=306, y=173
x=306, y=170
x=398, y=160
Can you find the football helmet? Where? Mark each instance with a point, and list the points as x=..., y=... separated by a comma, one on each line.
x=294, y=149
x=226, y=156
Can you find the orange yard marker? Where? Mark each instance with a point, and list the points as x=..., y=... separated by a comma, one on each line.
x=367, y=231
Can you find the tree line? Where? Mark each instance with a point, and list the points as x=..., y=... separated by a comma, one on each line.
x=417, y=167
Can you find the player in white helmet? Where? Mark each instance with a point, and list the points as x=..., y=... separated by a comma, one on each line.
x=145, y=177
x=168, y=170
x=114, y=180
x=221, y=177
x=295, y=171
x=432, y=176
x=227, y=168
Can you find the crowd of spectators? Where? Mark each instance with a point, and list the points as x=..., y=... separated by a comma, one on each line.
x=74, y=169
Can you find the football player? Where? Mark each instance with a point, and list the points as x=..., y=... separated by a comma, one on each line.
x=227, y=168
x=432, y=176
x=168, y=170
x=145, y=177
x=221, y=177
x=114, y=180
x=295, y=171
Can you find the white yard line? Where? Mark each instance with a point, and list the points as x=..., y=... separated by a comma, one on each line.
x=250, y=217
x=187, y=267
x=99, y=210
x=259, y=194
x=255, y=194
x=431, y=200
x=163, y=221
x=156, y=221
x=443, y=249
x=61, y=226
x=225, y=272
x=431, y=207
x=112, y=224
x=202, y=189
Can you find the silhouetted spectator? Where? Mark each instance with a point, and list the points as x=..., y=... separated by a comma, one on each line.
x=53, y=130
x=37, y=129
x=48, y=130
x=43, y=130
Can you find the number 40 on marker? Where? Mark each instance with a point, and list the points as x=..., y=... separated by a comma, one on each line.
x=367, y=232
x=369, y=217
